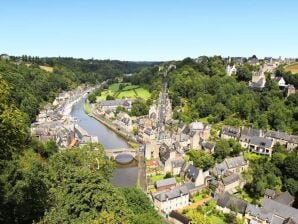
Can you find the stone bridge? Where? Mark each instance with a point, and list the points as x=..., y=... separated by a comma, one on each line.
x=112, y=153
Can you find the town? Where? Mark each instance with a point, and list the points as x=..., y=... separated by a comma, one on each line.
x=173, y=182
x=149, y=112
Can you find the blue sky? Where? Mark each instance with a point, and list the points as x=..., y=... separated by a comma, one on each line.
x=149, y=30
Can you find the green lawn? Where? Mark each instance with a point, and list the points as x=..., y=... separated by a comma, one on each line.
x=216, y=219
x=86, y=107
x=114, y=87
x=156, y=178
x=129, y=91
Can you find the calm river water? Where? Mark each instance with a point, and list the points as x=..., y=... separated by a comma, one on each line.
x=122, y=176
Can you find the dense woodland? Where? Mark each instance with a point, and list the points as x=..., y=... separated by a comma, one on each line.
x=38, y=184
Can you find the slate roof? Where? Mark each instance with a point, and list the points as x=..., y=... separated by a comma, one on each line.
x=171, y=194
x=245, y=138
x=251, y=132
x=186, y=130
x=262, y=142
x=269, y=193
x=235, y=162
x=164, y=153
x=109, y=103
x=225, y=200
x=278, y=135
x=178, y=162
x=285, y=198
x=207, y=145
x=165, y=182
x=259, y=212
x=231, y=179
x=192, y=172
x=220, y=168
x=230, y=131
x=279, y=209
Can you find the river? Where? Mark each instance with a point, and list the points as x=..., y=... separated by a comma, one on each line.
x=122, y=176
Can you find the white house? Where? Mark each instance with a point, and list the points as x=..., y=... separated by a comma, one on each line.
x=176, y=198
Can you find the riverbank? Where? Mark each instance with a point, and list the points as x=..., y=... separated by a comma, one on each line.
x=88, y=110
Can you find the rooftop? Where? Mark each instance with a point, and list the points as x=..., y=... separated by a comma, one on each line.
x=171, y=194
x=165, y=182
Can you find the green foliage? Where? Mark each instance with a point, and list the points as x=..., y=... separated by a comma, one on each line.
x=14, y=133
x=142, y=209
x=197, y=217
x=92, y=98
x=139, y=108
x=202, y=90
x=225, y=148
x=201, y=159
x=244, y=73
x=109, y=97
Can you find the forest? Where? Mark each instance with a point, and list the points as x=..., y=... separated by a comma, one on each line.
x=40, y=185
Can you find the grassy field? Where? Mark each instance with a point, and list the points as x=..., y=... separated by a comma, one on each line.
x=47, y=68
x=292, y=68
x=129, y=91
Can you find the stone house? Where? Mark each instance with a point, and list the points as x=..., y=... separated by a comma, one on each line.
x=165, y=184
x=229, y=132
x=228, y=203
x=173, y=199
x=197, y=176
x=260, y=145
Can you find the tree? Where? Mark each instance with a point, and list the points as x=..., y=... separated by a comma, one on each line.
x=291, y=166
x=109, y=97
x=243, y=73
x=26, y=187
x=201, y=159
x=139, y=108
x=92, y=98
x=197, y=218
x=143, y=211
x=13, y=129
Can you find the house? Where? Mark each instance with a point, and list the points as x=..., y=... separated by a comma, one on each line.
x=229, y=132
x=165, y=184
x=269, y=193
x=207, y=146
x=151, y=150
x=258, y=80
x=227, y=203
x=231, y=70
x=260, y=145
x=280, y=210
x=113, y=104
x=123, y=120
x=289, y=141
x=290, y=90
x=170, y=160
x=4, y=56
x=196, y=176
x=252, y=132
x=230, y=165
x=280, y=82
x=259, y=215
x=177, y=165
x=173, y=199
x=285, y=198
x=178, y=218
x=231, y=182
